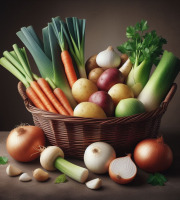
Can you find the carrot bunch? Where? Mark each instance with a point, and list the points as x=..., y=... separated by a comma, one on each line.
x=38, y=89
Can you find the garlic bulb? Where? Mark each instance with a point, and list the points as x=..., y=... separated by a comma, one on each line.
x=108, y=58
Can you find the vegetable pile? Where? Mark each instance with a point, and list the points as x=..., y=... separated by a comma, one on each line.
x=106, y=85
x=66, y=82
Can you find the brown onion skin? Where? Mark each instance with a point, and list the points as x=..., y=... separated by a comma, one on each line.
x=153, y=155
x=23, y=143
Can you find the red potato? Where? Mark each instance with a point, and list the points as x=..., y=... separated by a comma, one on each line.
x=104, y=100
x=109, y=78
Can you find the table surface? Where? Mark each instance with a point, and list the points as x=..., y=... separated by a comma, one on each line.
x=12, y=188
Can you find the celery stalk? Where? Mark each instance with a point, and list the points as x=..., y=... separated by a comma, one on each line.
x=144, y=49
x=160, y=81
x=10, y=67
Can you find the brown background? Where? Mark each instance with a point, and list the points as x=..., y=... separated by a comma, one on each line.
x=106, y=25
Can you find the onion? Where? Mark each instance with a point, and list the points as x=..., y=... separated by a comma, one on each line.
x=153, y=155
x=108, y=58
x=122, y=170
x=23, y=143
x=97, y=157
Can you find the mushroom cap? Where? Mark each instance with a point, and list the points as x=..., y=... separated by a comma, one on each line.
x=48, y=157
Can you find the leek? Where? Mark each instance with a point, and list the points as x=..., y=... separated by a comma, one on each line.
x=160, y=81
x=47, y=57
x=144, y=50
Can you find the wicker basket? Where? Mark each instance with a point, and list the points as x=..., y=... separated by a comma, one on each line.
x=74, y=134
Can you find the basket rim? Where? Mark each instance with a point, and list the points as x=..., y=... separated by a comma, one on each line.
x=110, y=120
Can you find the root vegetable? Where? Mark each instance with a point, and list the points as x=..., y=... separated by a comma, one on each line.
x=25, y=177
x=89, y=110
x=82, y=89
x=23, y=143
x=120, y=91
x=40, y=175
x=98, y=156
x=124, y=58
x=52, y=158
x=122, y=170
x=153, y=155
x=126, y=68
x=109, y=78
x=91, y=64
x=13, y=171
x=94, y=184
x=104, y=100
x=108, y=58
x=95, y=74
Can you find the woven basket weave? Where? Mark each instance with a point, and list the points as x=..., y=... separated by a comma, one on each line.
x=74, y=134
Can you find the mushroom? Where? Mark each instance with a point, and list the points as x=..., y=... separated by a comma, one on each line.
x=52, y=158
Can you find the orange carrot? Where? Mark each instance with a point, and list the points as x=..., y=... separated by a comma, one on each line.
x=69, y=68
x=43, y=97
x=50, y=95
x=63, y=99
x=35, y=99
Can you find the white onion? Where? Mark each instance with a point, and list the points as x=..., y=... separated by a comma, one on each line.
x=98, y=156
x=108, y=58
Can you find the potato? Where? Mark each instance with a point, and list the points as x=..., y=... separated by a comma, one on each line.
x=89, y=110
x=82, y=89
x=109, y=78
x=95, y=74
x=91, y=64
x=120, y=91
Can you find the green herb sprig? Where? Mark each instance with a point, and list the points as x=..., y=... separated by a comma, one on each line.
x=3, y=160
x=157, y=179
x=61, y=179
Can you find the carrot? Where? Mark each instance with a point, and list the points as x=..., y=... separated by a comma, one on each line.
x=43, y=97
x=63, y=99
x=50, y=95
x=68, y=67
x=35, y=99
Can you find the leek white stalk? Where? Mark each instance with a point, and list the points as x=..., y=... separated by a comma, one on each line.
x=52, y=158
x=160, y=82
